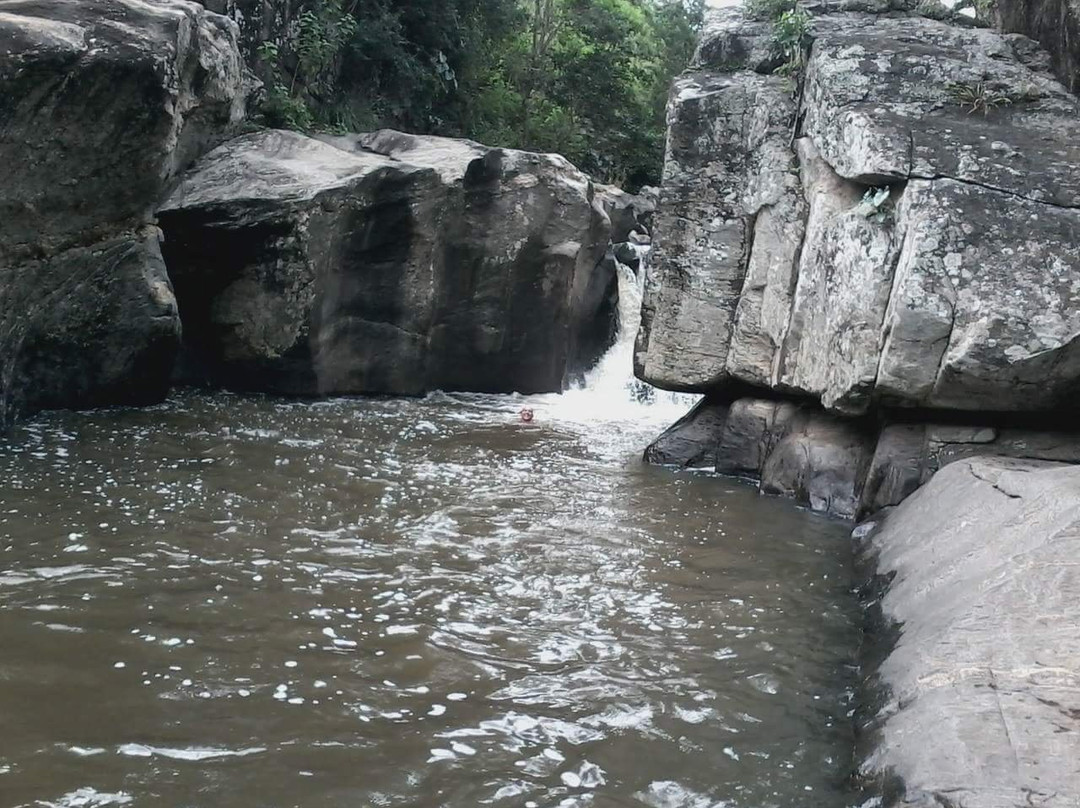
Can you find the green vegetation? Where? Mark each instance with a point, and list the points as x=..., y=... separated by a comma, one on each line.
x=978, y=97
x=585, y=78
x=790, y=31
x=791, y=40
x=874, y=204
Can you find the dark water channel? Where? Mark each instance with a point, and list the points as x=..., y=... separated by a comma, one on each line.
x=229, y=601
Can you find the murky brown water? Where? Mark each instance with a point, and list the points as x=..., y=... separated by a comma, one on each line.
x=232, y=601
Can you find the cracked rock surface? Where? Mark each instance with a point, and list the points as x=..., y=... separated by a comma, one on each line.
x=869, y=239
x=982, y=706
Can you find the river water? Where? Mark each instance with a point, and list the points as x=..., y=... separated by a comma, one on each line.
x=240, y=601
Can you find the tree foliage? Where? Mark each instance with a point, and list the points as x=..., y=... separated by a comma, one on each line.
x=585, y=78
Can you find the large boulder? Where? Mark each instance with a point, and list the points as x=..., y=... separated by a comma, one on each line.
x=102, y=104
x=980, y=697
x=800, y=452
x=723, y=130
x=388, y=263
x=629, y=213
x=692, y=441
x=908, y=234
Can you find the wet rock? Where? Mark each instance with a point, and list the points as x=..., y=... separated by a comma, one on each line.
x=388, y=263
x=808, y=455
x=751, y=432
x=692, y=441
x=982, y=705
x=821, y=460
x=101, y=105
x=897, y=468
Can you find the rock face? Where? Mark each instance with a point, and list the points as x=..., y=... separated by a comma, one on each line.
x=793, y=450
x=101, y=105
x=982, y=690
x=388, y=263
x=843, y=466
x=1055, y=24
x=880, y=243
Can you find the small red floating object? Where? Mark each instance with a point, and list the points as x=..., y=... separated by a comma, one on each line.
x=526, y=415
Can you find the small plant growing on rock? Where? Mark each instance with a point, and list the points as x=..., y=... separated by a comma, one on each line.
x=978, y=97
x=873, y=204
x=791, y=40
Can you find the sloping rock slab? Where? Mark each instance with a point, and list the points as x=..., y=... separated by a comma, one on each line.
x=983, y=707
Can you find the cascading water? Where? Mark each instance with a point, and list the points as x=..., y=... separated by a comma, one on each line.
x=238, y=601
x=610, y=391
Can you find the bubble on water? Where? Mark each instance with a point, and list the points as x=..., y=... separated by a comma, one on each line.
x=119, y=665
x=437, y=709
x=456, y=696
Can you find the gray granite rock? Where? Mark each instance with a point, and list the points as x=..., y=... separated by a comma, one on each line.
x=388, y=263
x=822, y=461
x=831, y=348
x=691, y=442
x=982, y=688
x=1055, y=24
x=720, y=170
x=908, y=455
x=753, y=428
x=102, y=104
x=918, y=246
x=629, y=213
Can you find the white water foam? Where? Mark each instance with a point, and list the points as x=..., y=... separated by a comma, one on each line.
x=611, y=392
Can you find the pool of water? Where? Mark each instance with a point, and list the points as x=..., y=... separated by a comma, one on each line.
x=239, y=601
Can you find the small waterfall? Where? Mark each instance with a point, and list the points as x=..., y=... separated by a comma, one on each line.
x=610, y=390
x=613, y=375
